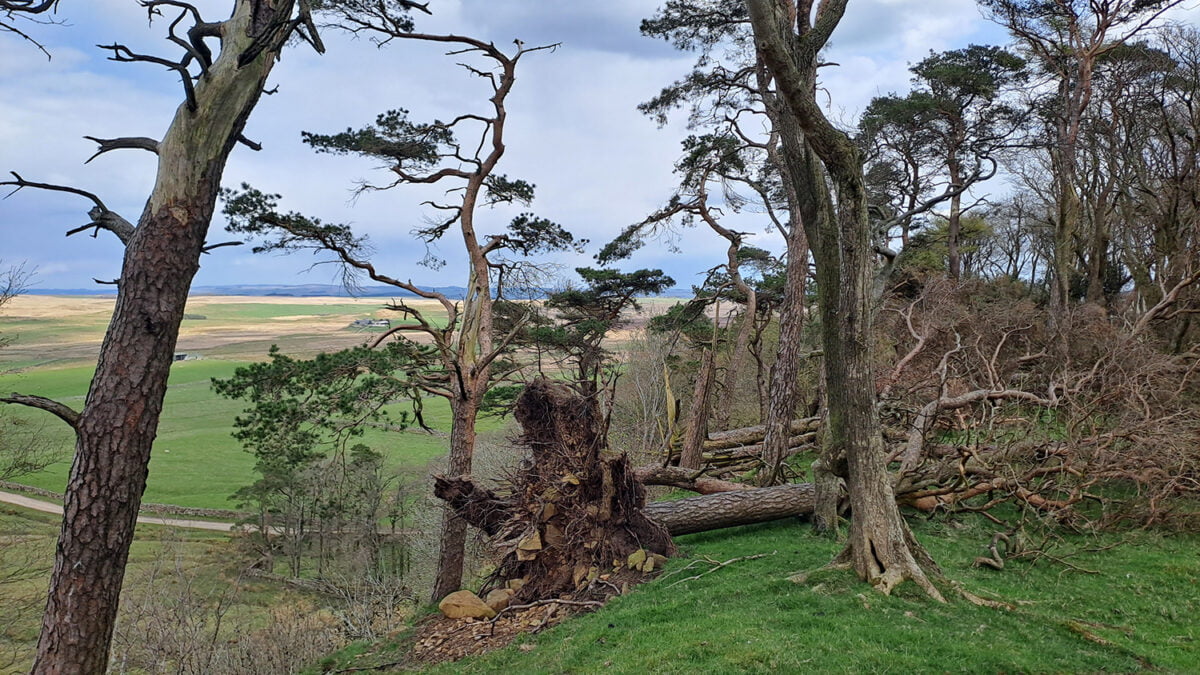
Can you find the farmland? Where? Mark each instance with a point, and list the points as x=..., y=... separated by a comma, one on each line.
x=195, y=461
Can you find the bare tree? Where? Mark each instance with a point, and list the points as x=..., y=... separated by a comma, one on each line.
x=115, y=429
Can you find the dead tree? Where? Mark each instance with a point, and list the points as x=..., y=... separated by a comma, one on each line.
x=116, y=427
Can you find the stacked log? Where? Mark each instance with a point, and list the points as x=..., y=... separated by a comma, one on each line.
x=728, y=448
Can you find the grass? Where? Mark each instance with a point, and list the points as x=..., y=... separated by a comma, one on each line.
x=1139, y=612
x=195, y=461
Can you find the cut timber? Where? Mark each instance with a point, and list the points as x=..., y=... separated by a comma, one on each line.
x=736, y=438
x=686, y=479
x=729, y=509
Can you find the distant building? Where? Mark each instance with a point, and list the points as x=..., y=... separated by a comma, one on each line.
x=187, y=356
x=371, y=323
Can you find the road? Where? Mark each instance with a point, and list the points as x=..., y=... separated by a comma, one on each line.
x=51, y=507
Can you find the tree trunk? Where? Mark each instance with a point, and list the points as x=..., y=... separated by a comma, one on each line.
x=730, y=509
x=452, y=543
x=954, y=224
x=118, y=423
x=785, y=372
x=881, y=549
x=739, y=505
x=693, y=438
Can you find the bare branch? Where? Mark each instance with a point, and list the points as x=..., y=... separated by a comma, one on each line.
x=59, y=410
x=129, y=142
x=123, y=54
x=102, y=217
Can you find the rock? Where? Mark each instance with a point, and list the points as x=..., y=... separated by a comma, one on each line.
x=636, y=559
x=515, y=584
x=499, y=598
x=463, y=604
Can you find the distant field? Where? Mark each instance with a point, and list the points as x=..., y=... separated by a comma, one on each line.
x=195, y=461
x=61, y=331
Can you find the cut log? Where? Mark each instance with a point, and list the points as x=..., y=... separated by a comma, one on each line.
x=729, y=509
x=734, y=438
x=685, y=479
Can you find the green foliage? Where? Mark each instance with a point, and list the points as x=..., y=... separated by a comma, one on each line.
x=300, y=408
x=393, y=137
x=530, y=235
x=585, y=315
x=685, y=318
x=254, y=212
x=928, y=250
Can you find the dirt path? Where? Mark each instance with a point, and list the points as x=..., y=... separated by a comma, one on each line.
x=51, y=507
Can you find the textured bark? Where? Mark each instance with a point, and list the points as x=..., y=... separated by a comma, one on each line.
x=746, y=436
x=690, y=457
x=881, y=549
x=452, y=542
x=785, y=372
x=730, y=509
x=118, y=423
x=686, y=479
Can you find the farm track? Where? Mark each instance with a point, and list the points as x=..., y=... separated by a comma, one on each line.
x=50, y=507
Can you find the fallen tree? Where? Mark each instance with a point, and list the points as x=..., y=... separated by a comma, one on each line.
x=573, y=521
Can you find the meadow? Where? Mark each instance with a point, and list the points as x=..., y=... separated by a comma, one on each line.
x=195, y=462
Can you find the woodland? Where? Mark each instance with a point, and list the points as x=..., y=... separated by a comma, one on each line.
x=984, y=305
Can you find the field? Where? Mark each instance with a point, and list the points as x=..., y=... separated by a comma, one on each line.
x=195, y=461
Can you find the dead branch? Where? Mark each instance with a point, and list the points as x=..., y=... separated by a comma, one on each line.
x=59, y=410
x=717, y=566
x=125, y=143
x=102, y=217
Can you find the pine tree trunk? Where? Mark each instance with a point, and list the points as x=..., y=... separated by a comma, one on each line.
x=692, y=455
x=119, y=420
x=881, y=549
x=452, y=546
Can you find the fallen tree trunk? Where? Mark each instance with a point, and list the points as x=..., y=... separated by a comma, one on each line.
x=741, y=505
x=735, y=438
x=729, y=509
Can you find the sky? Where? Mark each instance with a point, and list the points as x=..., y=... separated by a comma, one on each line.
x=574, y=130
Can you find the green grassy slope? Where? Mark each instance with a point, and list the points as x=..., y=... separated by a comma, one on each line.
x=746, y=617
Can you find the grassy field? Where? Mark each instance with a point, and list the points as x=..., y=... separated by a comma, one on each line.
x=1135, y=608
x=195, y=461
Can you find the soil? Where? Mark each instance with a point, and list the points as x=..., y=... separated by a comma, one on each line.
x=439, y=640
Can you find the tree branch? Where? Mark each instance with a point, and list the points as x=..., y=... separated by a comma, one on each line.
x=124, y=143
x=59, y=410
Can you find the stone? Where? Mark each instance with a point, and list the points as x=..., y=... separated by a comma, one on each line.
x=499, y=598
x=464, y=604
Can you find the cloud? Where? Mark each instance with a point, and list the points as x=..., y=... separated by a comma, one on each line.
x=573, y=129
